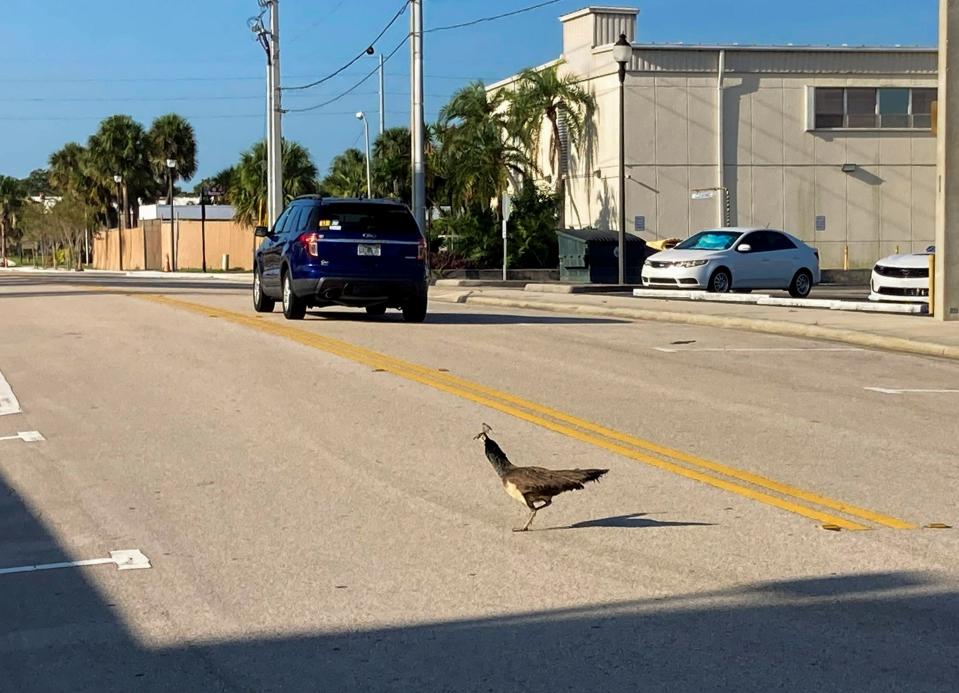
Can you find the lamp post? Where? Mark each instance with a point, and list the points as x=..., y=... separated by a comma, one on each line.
x=366, y=128
x=171, y=166
x=622, y=54
x=118, y=179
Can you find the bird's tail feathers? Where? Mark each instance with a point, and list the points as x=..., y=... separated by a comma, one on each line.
x=581, y=476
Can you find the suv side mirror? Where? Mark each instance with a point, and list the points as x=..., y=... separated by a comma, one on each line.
x=261, y=232
x=744, y=247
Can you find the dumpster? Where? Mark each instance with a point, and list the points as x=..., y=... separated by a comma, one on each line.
x=590, y=256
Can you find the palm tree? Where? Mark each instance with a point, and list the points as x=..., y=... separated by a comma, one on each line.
x=71, y=172
x=120, y=147
x=247, y=184
x=347, y=176
x=391, y=164
x=11, y=201
x=476, y=154
x=567, y=106
x=171, y=137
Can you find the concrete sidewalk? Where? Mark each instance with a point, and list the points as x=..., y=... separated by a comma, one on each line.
x=905, y=333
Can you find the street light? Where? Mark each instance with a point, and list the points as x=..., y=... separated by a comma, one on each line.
x=171, y=166
x=118, y=179
x=366, y=128
x=622, y=54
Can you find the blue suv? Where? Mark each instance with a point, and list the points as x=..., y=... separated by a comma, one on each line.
x=337, y=251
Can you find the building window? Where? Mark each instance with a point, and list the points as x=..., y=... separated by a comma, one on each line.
x=868, y=108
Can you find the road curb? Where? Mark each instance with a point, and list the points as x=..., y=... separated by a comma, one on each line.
x=777, y=327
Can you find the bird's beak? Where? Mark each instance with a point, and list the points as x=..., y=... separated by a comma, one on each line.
x=481, y=434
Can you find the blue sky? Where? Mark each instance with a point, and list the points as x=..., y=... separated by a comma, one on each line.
x=67, y=64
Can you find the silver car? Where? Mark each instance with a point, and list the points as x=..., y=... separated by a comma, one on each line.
x=736, y=259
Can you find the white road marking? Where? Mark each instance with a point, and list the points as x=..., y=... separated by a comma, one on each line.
x=124, y=559
x=902, y=391
x=8, y=401
x=26, y=437
x=672, y=351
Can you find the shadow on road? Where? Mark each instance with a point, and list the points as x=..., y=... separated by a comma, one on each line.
x=891, y=631
x=445, y=318
x=634, y=520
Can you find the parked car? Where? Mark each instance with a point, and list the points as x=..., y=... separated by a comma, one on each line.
x=736, y=259
x=902, y=277
x=336, y=251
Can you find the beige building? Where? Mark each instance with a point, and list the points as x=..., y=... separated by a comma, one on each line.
x=832, y=144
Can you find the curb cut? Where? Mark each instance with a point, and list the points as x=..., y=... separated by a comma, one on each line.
x=777, y=327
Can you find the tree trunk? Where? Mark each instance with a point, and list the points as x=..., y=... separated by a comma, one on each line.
x=3, y=242
x=559, y=184
x=126, y=207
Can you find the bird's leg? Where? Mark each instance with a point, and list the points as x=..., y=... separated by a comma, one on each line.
x=528, y=522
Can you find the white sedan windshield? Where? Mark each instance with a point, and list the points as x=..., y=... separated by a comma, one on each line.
x=710, y=240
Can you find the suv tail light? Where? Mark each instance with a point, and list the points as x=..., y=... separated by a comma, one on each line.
x=421, y=249
x=310, y=243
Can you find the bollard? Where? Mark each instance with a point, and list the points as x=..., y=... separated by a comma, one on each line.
x=932, y=284
x=225, y=262
x=845, y=257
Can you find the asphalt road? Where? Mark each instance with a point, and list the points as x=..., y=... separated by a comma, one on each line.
x=318, y=516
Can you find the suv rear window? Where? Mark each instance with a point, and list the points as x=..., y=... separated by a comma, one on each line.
x=360, y=218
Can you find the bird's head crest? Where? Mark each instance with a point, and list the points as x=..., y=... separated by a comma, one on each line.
x=483, y=434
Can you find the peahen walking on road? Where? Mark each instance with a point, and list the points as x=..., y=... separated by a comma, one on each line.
x=532, y=485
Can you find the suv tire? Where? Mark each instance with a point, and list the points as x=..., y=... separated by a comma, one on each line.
x=293, y=308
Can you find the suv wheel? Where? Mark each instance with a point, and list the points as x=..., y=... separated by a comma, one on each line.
x=801, y=284
x=293, y=308
x=261, y=302
x=414, y=310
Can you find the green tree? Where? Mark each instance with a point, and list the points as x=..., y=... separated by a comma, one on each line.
x=71, y=172
x=566, y=106
x=11, y=201
x=38, y=182
x=391, y=164
x=476, y=156
x=171, y=137
x=532, y=228
x=347, y=176
x=247, y=186
x=119, y=147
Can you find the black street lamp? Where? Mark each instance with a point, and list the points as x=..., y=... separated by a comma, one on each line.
x=118, y=179
x=622, y=54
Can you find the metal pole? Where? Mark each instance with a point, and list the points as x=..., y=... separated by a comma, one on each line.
x=419, y=170
x=622, y=173
x=120, y=220
x=504, y=249
x=276, y=113
x=369, y=184
x=172, y=242
x=203, y=229
x=720, y=164
x=382, y=98
x=271, y=214
x=945, y=292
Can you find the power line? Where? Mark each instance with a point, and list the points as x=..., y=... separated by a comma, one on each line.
x=492, y=18
x=352, y=88
x=366, y=51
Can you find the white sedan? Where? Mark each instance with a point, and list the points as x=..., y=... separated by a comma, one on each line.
x=734, y=259
x=902, y=278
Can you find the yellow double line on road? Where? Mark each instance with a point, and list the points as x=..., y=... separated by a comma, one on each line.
x=762, y=489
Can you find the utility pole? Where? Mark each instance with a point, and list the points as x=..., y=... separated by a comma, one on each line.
x=418, y=129
x=946, y=289
x=276, y=153
x=382, y=98
x=270, y=41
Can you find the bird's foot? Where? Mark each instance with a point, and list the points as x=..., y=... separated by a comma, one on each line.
x=520, y=529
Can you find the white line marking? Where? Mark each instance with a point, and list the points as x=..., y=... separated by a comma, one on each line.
x=901, y=391
x=672, y=351
x=124, y=559
x=8, y=401
x=26, y=437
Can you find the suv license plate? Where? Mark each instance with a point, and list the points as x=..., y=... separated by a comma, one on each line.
x=368, y=249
